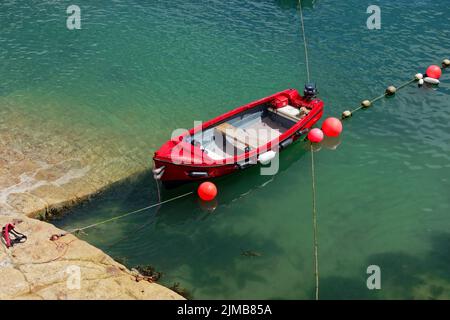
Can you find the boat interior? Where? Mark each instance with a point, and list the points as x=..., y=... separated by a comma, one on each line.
x=246, y=131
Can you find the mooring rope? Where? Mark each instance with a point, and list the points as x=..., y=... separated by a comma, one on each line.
x=129, y=213
x=314, y=212
x=304, y=40
x=370, y=102
x=314, y=207
x=405, y=84
x=391, y=90
x=157, y=184
x=139, y=228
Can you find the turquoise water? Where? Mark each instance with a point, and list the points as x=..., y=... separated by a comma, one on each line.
x=137, y=70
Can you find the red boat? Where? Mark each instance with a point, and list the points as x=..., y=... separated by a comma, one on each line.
x=239, y=138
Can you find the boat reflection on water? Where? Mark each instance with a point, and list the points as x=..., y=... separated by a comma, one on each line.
x=331, y=143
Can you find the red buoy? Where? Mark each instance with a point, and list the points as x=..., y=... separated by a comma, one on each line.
x=434, y=72
x=332, y=127
x=315, y=135
x=207, y=191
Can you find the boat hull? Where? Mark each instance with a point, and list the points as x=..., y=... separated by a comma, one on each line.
x=172, y=172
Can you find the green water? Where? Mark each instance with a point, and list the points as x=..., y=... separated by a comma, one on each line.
x=137, y=70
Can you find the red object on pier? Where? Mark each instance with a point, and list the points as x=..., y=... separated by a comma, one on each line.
x=235, y=140
x=10, y=236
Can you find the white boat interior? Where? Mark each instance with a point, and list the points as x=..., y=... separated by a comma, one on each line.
x=246, y=131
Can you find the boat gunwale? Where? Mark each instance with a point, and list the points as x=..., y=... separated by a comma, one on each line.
x=315, y=111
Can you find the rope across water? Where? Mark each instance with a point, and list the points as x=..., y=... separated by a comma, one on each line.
x=314, y=208
x=304, y=40
x=129, y=213
x=367, y=103
x=316, y=245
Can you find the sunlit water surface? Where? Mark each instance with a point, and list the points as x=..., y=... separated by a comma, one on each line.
x=137, y=70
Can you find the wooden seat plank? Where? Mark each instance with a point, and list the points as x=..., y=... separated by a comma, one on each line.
x=239, y=135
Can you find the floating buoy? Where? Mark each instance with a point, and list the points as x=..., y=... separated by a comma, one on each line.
x=418, y=76
x=434, y=71
x=346, y=114
x=332, y=127
x=446, y=63
x=366, y=103
x=207, y=191
x=315, y=135
x=431, y=80
x=420, y=83
x=391, y=90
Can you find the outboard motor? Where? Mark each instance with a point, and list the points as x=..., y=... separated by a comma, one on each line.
x=310, y=91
